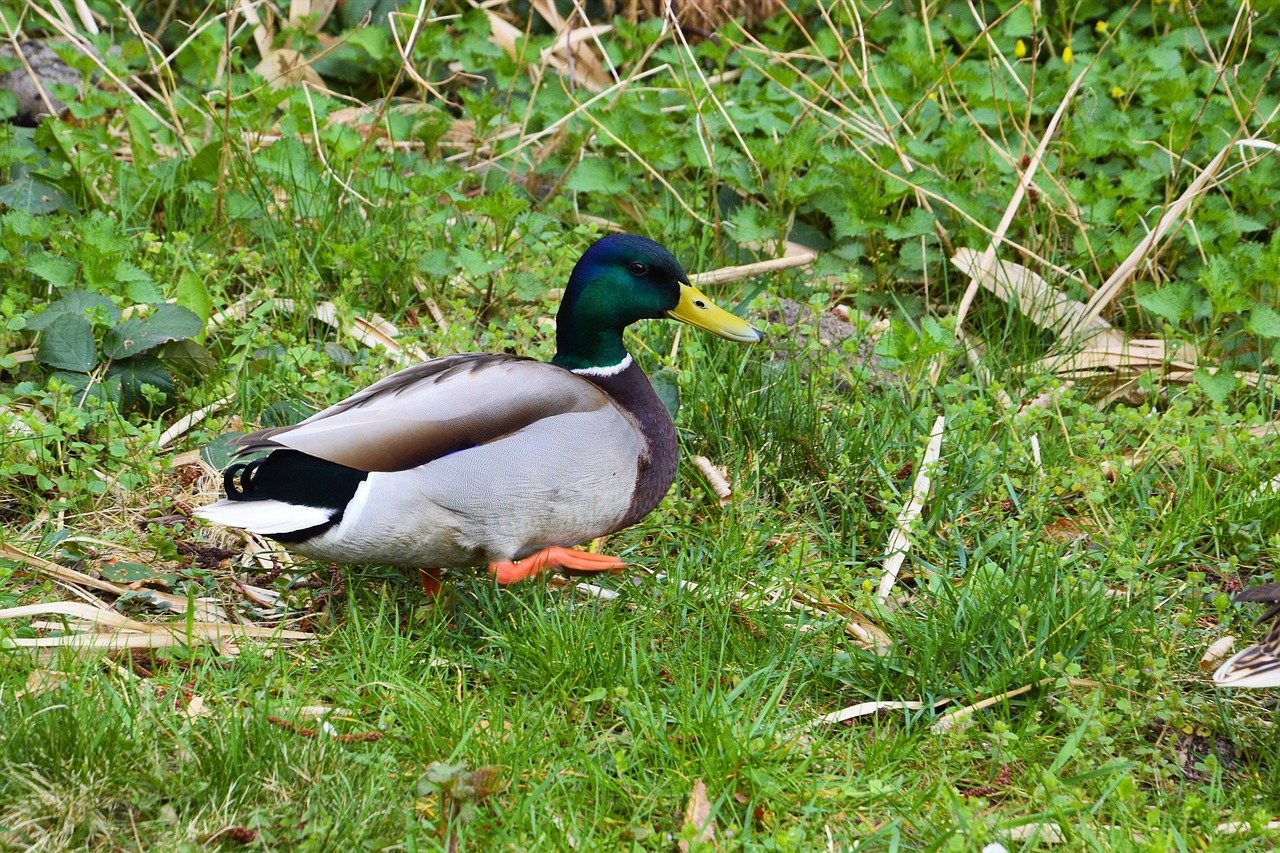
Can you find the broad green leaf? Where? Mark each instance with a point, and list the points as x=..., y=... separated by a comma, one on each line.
x=82, y=388
x=220, y=452
x=76, y=302
x=477, y=263
x=1217, y=386
x=753, y=224
x=917, y=223
x=192, y=294
x=25, y=192
x=668, y=390
x=187, y=357
x=595, y=175
x=140, y=142
x=127, y=377
x=1264, y=321
x=122, y=571
x=1172, y=302
x=139, y=334
x=68, y=343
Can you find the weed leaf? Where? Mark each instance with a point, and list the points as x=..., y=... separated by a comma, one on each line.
x=68, y=343
x=34, y=196
x=1264, y=321
x=1216, y=386
x=58, y=271
x=1172, y=302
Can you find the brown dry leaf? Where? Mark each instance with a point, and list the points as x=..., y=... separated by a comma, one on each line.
x=285, y=67
x=313, y=13
x=1068, y=529
x=1217, y=652
x=195, y=707
x=697, y=814
x=262, y=33
x=374, y=331
x=1045, y=833
x=868, y=635
x=42, y=681
x=717, y=478
x=571, y=52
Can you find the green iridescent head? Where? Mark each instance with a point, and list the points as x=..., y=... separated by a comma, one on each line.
x=623, y=278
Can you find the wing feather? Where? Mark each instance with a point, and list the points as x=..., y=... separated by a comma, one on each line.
x=433, y=409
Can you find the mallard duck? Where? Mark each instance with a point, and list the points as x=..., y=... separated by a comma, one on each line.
x=488, y=460
x=1259, y=664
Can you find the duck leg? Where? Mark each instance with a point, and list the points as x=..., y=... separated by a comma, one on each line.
x=555, y=557
x=430, y=579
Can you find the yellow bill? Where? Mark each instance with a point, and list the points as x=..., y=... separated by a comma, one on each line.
x=697, y=310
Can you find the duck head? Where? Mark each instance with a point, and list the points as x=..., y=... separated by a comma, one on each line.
x=623, y=278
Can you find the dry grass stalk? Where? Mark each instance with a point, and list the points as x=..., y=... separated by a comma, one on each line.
x=104, y=629
x=727, y=274
x=961, y=716
x=1235, y=827
x=701, y=17
x=183, y=424
x=867, y=709
x=1041, y=302
x=1090, y=348
x=40, y=88
x=1045, y=833
x=900, y=541
x=77, y=582
x=82, y=44
x=1025, y=178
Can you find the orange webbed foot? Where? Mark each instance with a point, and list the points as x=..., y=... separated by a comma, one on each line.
x=554, y=557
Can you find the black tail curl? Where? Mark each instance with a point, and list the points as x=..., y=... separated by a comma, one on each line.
x=245, y=471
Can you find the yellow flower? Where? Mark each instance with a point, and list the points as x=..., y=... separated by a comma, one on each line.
x=1020, y=48
x=1067, y=55
x=933, y=96
x=1117, y=92
x=1100, y=27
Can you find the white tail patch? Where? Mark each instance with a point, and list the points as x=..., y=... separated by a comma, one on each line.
x=264, y=517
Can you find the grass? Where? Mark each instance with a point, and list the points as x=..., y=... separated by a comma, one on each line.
x=1071, y=564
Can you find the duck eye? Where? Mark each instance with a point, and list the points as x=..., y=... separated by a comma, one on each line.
x=637, y=268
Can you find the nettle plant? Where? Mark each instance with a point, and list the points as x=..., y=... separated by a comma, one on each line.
x=103, y=328
x=89, y=344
